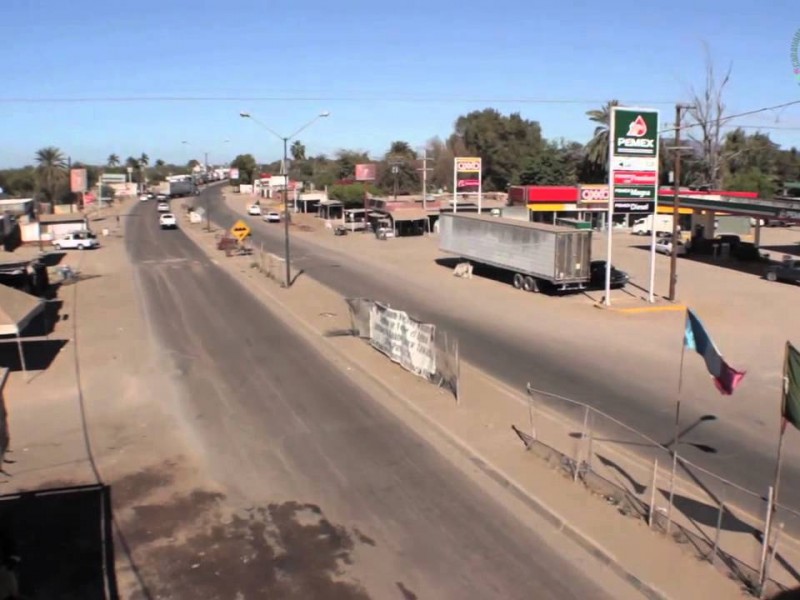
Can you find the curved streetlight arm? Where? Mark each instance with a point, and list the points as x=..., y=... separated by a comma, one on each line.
x=252, y=118
x=307, y=125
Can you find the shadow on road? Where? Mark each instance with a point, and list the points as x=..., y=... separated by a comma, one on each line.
x=63, y=539
x=39, y=354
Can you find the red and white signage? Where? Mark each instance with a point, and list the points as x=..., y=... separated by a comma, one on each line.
x=468, y=183
x=635, y=177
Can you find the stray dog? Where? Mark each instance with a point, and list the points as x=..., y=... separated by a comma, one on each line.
x=463, y=270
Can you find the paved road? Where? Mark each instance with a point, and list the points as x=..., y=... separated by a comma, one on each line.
x=517, y=360
x=287, y=428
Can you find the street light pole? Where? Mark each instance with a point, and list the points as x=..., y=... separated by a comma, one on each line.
x=286, y=248
x=285, y=140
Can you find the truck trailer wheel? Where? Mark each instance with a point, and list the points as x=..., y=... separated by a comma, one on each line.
x=519, y=281
x=530, y=284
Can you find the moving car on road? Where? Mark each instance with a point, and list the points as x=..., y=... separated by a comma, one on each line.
x=254, y=209
x=788, y=270
x=144, y=197
x=168, y=221
x=76, y=240
x=272, y=217
x=163, y=207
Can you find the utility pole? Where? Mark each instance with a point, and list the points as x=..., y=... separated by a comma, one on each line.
x=286, y=212
x=395, y=171
x=676, y=202
x=425, y=170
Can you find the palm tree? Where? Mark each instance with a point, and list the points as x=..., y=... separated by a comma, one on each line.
x=112, y=160
x=144, y=160
x=298, y=150
x=51, y=170
x=597, y=148
x=160, y=163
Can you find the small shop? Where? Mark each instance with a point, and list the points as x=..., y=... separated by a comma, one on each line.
x=331, y=210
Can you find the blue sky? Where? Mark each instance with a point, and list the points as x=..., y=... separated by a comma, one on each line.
x=385, y=70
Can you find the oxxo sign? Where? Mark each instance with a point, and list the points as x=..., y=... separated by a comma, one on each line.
x=594, y=194
x=468, y=165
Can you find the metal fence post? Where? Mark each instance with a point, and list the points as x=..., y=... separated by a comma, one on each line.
x=771, y=558
x=458, y=375
x=653, y=494
x=531, y=410
x=590, y=450
x=580, y=443
x=765, y=540
x=717, y=533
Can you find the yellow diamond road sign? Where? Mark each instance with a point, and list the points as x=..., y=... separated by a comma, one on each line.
x=240, y=230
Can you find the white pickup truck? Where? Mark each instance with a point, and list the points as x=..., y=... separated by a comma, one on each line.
x=76, y=240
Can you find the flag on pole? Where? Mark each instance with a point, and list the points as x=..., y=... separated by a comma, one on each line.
x=790, y=411
x=696, y=338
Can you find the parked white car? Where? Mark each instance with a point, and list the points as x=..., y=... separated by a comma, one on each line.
x=664, y=246
x=144, y=198
x=76, y=240
x=168, y=221
x=162, y=207
x=254, y=209
x=272, y=217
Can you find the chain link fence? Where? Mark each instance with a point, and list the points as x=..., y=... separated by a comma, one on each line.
x=421, y=348
x=721, y=522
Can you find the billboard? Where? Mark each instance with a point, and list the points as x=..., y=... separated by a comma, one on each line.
x=77, y=180
x=234, y=173
x=366, y=172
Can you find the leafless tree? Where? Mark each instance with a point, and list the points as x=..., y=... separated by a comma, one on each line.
x=707, y=114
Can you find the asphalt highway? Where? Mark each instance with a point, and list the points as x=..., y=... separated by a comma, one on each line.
x=517, y=359
x=283, y=424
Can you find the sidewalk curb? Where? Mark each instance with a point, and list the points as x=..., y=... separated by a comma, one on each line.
x=287, y=314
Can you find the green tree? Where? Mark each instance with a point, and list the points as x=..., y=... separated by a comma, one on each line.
x=51, y=172
x=402, y=158
x=298, y=150
x=597, y=148
x=159, y=163
x=503, y=142
x=351, y=195
x=555, y=164
x=112, y=160
x=247, y=166
x=346, y=161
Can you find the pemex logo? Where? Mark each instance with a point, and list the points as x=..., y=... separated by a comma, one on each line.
x=638, y=127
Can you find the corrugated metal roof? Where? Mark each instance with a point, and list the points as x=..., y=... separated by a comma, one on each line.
x=68, y=218
x=516, y=223
x=408, y=214
x=17, y=309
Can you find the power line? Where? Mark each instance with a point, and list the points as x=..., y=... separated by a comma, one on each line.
x=381, y=98
x=725, y=119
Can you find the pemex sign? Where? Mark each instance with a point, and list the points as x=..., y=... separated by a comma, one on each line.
x=635, y=132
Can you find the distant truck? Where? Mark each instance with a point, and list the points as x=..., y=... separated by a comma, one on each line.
x=658, y=223
x=181, y=188
x=540, y=256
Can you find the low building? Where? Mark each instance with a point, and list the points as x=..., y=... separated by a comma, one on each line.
x=51, y=227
